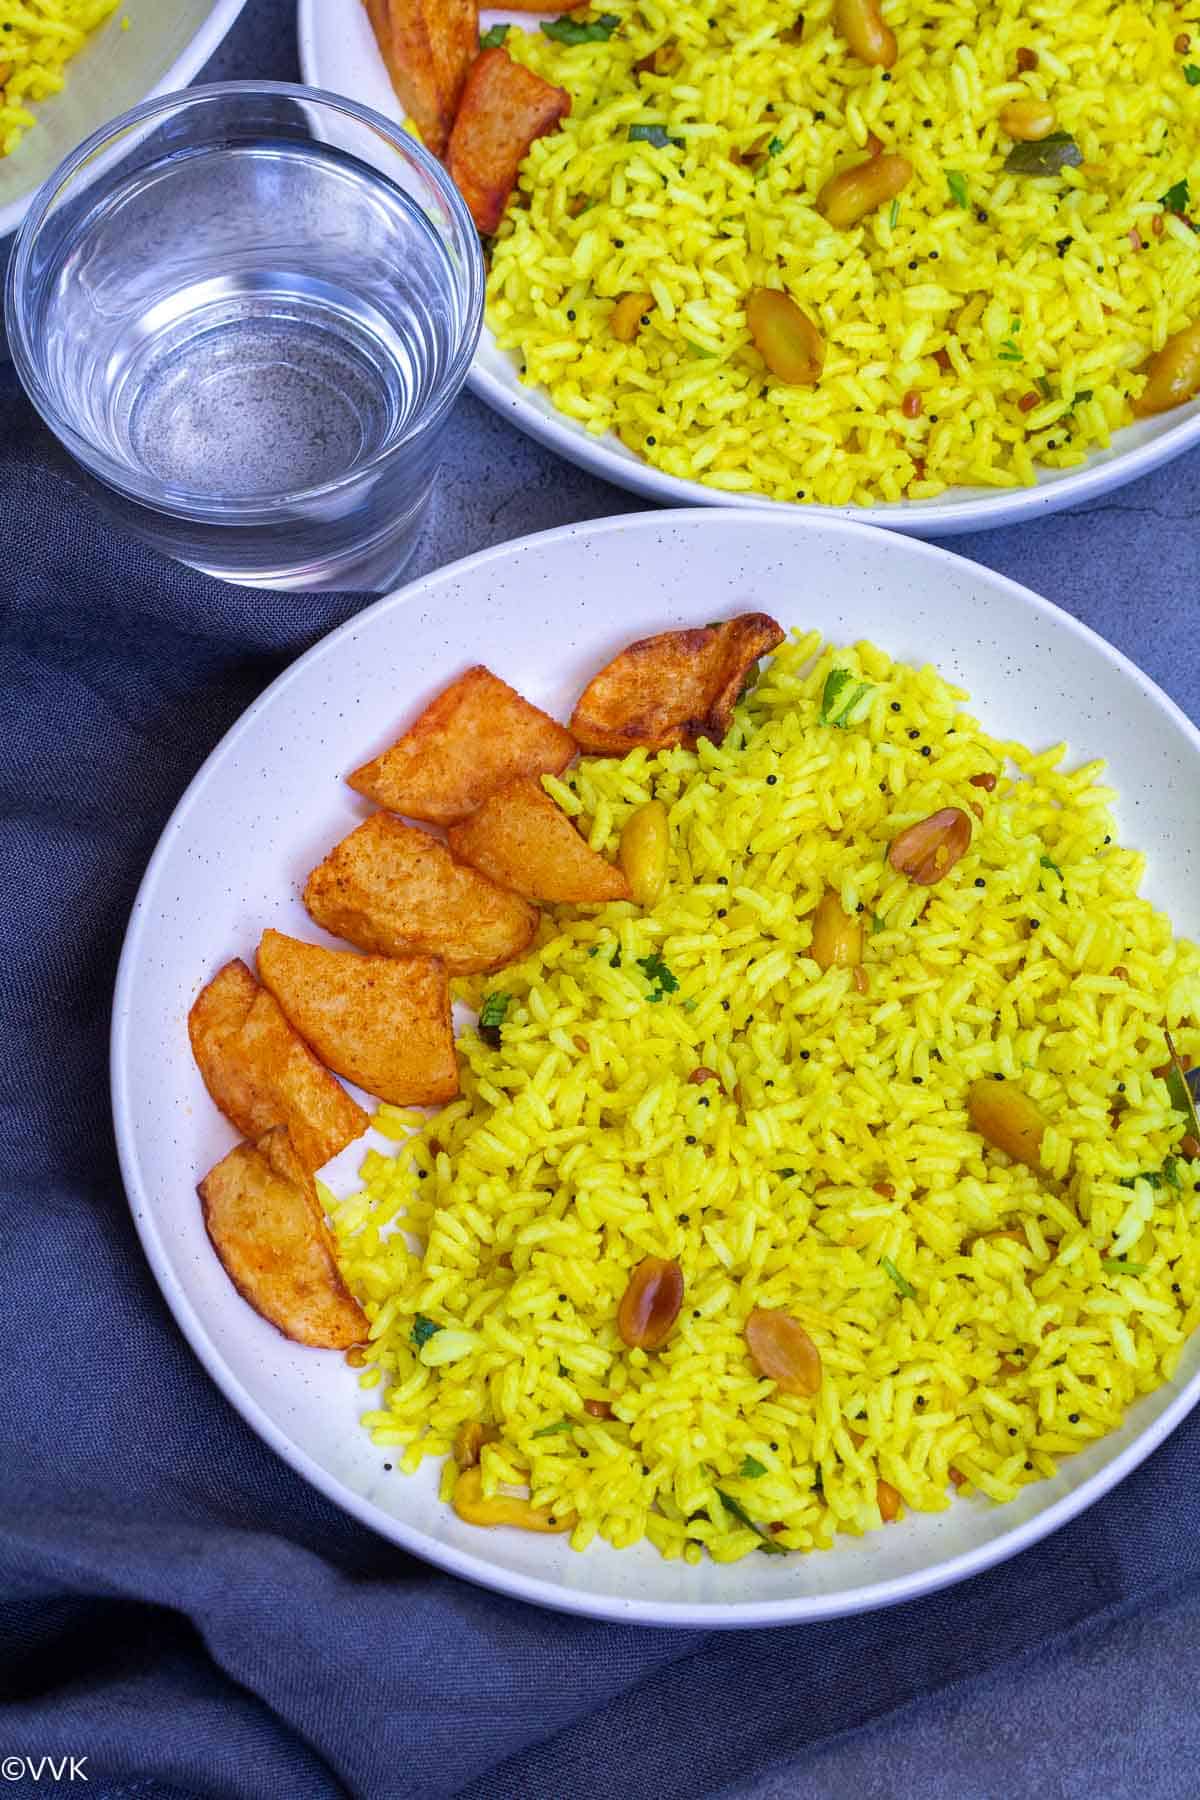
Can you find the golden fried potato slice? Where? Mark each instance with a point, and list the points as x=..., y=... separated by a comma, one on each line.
x=478, y=734
x=676, y=688
x=521, y=839
x=427, y=47
x=265, y=1223
x=261, y=1074
x=503, y=109
x=381, y=1021
x=395, y=890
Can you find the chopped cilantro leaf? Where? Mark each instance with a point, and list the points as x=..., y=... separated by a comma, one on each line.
x=775, y=146
x=492, y=40
x=845, y=700
x=1150, y=1176
x=422, y=1330
x=751, y=1469
x=892, y=1272
x=553, y=1430
x=878, y=924
x=581, y=31
x=1119, y=1265
x=1048, y=862
x=1191, y=74
x=956, y=181
x=894, y=214
x=655, y=970
x=1177, y=198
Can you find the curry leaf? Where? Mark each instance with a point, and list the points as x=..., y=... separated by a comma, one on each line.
x=1049, y=156
x=766, y=1542
x=581, y=31
x=1179, y=1090
x=491, y=1018
x=652, y=134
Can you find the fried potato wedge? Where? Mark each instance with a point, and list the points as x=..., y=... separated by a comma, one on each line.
x=427, y=47
x=676, y=688
x=261, y=1074
x=265, y=1223
x=395, y=890
x=381, y=1021
x=478, y=734
x=521, y=839
x=503, y=109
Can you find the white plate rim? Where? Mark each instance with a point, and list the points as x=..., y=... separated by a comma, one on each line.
x=804, y=1609
x=1103, y=473
x=206, y=40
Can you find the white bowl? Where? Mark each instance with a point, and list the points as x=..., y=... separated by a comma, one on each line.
x=166, y=46
x=544, y=613
x=338, y=52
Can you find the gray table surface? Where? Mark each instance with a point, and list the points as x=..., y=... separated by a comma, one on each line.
x=1112, y=1712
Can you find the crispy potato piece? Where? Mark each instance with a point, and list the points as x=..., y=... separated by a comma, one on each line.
x=503, y=109
x=672, y=689
x=395, y=890
x=381, y=1021
x=478, y=734
x=265, y=1223
x=261, y=1074
x=428, y=47
x=522, y=840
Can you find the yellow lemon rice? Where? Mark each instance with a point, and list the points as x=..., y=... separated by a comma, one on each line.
x=1017, y=310
x=38, y=38
x=831, y=1173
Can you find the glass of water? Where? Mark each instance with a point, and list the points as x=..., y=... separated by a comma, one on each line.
x=246, y=310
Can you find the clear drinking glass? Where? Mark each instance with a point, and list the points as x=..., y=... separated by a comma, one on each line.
x=246, y=310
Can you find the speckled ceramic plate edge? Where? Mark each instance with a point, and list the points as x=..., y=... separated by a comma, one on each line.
x=616, y=548
x=337, y=52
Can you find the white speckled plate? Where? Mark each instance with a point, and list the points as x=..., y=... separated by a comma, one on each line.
x=544, y=613
x=164, y=48
x=338, y=52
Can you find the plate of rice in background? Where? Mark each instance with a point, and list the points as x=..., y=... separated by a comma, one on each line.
x=813, y=1226
x=987, y=232
x=70, y=65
